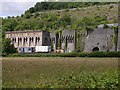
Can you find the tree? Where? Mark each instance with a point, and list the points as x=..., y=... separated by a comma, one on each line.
x=31, y=10
x=7, y=47
x=115, y=37
x=27, y=15
x=9, y=24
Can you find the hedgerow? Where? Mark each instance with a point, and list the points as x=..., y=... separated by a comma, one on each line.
x=73, y=54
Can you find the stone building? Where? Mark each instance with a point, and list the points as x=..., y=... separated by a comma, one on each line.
x=25, y=41
x=118, y=28
x=65, y=39
x=119, y=39
x=99, y=39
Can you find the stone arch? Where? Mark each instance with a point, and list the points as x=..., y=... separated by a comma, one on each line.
x=95, y=49
x=18, y=41
x=24, y=39
x=15, y=39
x=38, y=39
x=12, y=39
x=30, y=39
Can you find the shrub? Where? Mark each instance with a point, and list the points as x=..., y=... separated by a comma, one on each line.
x=83, y=54
x=72, y=54
x=68, y=54
x=111, y=6
x=113, y=54
x=66, y=10
x=3, y=54
x=97, y=54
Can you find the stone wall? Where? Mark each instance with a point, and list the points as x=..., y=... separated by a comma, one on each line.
x=26, y=39
x=118, y=27
x=119, y=39
x=98, y=39
x=101, y=39
x=67, y=38
x=81, y=40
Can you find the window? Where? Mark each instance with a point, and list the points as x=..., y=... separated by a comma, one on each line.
x=38, y=39
x=12, y=39
x=29, y=48
x=35, y=40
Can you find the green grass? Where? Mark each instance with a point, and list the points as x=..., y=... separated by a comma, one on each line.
x=49, y=72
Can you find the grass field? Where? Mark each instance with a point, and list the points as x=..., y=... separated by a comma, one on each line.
x=60, y=72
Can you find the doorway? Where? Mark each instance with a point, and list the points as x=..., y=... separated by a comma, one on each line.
x=95, y=49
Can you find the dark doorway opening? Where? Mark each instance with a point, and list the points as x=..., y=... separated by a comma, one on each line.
x=95, y=49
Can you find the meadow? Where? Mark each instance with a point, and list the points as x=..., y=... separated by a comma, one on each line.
x=59, y=72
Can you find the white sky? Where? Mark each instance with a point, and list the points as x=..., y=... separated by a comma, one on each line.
x=15, y=7
x=18, y=7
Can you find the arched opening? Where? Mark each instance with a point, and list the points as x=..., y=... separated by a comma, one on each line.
x=95, y=49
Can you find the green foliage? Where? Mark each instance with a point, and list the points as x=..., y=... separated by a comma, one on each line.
x=101, y=20
x=105, y=26
x=7, y=47
x=9, y=24
x=116, y=37
x=100, y=54
x=27, y=15
x=50, y=20
x=42, y=6
x=66, y=44
x=85, y=23
x=75, y=39
x=59, y=40
x=73, y=54
x=108, y=79
x=111, y=6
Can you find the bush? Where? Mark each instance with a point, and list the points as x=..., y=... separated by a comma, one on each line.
x=69, y=55
x=113, y=54
x=111, y=6
x=97, y=54
x=73, y=54
x=3, y=54
x=104, y=54
x=83, y=54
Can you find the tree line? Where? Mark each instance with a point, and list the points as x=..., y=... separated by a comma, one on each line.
x=43, y=6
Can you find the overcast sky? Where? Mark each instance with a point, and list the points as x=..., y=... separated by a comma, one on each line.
x=15, y=7
x=18, y=7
